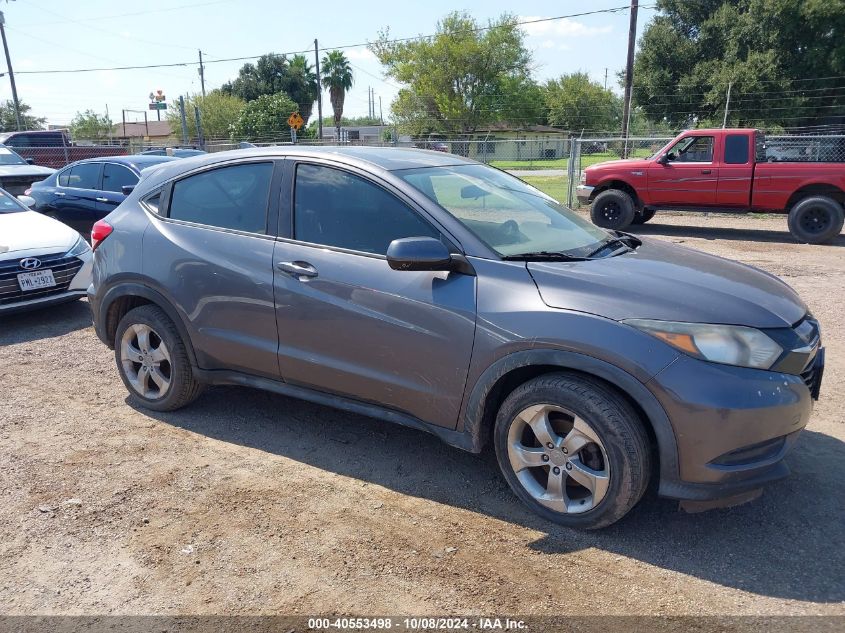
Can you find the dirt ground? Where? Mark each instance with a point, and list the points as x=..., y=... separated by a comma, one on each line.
x=252, y=503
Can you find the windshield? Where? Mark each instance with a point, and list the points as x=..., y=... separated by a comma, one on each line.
x=510, y=216
x=8, y=157
x=8, y=204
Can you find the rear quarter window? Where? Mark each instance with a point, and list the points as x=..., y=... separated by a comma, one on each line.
x=736, y=149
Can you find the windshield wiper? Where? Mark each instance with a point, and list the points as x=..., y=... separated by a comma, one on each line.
x=545, y=255
x=628, y=241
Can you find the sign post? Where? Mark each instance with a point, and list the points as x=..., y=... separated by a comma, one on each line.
x=157, y=102
x=295, y=122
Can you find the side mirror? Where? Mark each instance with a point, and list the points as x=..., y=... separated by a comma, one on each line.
x=30, y=161
x=664, y=158
x=127, y=189
x=27, y=201
x=419, y=253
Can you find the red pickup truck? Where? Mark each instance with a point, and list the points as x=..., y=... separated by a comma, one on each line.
x=53, y=148
x=718, y=170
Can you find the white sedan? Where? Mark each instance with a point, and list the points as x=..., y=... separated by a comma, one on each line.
x=42, y=261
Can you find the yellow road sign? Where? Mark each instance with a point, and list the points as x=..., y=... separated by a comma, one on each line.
x=295, y=121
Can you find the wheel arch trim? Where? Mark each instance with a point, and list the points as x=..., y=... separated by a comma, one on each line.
x=137, y=288
x=475, y=424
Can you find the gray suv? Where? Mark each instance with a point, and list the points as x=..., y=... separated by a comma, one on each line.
x=438, y=293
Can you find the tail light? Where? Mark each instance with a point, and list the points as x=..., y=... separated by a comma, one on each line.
x=100, y=231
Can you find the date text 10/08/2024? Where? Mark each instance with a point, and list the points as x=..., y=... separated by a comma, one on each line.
x=421, y=623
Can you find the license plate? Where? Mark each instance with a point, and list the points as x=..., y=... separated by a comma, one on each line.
x=36, y=280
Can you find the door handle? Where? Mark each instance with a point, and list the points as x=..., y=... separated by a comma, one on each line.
x=60, y=194
x=299, y=270
x=705, y=171
x=102, y=199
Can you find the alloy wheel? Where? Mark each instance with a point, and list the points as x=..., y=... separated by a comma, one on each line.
x=558, y=458
x=146, y=361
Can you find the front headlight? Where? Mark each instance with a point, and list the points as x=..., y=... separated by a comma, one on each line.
x=727, y=344
x=583, y=177
x=79, y=248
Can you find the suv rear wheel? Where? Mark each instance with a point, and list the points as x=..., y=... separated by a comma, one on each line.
x=152, y=360
x=572, y=450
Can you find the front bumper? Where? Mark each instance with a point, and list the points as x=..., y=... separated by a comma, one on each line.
x=584, y=193
x=733, y=426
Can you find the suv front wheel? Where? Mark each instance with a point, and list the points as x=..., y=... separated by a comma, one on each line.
x=152, y=360
x=572, y=450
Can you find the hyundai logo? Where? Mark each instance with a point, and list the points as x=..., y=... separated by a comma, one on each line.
x=30, y=263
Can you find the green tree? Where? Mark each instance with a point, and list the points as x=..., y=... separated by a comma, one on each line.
x=264, y=118
x=464, y=77
x=337, y=77
x=272, y=74
x=28, y=122
x=778, y=56
x=217, y=112
x=90, y=125
x=577, y=104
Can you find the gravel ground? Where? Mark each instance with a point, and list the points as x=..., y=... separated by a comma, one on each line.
x=249, y=503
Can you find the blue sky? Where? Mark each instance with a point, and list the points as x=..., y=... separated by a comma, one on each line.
x=63, y=34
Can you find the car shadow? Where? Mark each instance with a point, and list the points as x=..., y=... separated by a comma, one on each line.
x=34, y=325
x=787, y=544
x=722, y=233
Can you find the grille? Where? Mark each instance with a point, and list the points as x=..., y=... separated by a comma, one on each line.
x=64, y=269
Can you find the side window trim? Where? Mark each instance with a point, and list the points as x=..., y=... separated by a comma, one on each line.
x=290, y=219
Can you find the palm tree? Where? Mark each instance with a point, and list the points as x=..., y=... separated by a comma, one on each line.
x=337, y=77
x=302, y=73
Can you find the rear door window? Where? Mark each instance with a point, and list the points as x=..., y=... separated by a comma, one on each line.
x=115, y=177
x=84, y=176
x=234, y=197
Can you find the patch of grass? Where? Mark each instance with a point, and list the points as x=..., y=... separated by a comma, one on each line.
x=561, y=163
x=557, y=163
x=554, y=186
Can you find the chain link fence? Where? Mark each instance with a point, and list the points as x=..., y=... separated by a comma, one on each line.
x=556, y=161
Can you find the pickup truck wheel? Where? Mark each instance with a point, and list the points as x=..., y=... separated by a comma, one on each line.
x=641, y=217
x=612, y=209
x=816, y=219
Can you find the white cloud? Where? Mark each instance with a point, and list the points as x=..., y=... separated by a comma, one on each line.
x=565, y=27
x=360, y=54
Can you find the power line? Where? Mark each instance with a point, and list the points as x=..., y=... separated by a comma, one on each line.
x=327, y=48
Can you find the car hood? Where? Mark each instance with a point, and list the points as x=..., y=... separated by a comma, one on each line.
x=21, y=171
x=671, y=283
x=33, y=232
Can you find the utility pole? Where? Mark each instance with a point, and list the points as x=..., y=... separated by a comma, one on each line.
x=629, y=73
x=11, y=72
x=380, y=113
x=319, y=92
x=109, y=120
x=184, y=120
x=727, y=105
x=202, y=75
x=605, y=78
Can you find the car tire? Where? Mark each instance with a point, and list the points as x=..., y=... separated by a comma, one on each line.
x=608, y=446
x=153, y=361
x=612, y=209
x=816, y=219
x=641, y=217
